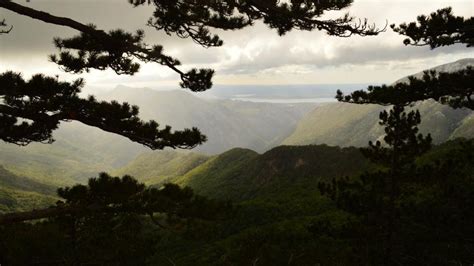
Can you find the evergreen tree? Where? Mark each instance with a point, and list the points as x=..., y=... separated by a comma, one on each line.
x=375, y=196
x=454, y=89
x=31, y=109
x=392, y=203
x=116, y=196
x=44, y=101
x=103, y=222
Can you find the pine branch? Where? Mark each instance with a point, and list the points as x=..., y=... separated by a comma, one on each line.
x=30, y=110
x=3, y=24
x=188, y=18
x=454, y=89
x=440, y=28
x=115, y=53
x=48, y=18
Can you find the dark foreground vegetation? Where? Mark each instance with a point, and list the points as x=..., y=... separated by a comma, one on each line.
x=285, y=221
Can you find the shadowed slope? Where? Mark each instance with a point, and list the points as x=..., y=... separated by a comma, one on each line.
x=241, y=174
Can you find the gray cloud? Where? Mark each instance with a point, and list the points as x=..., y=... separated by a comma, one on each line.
x=252, y=51
x=345, y=55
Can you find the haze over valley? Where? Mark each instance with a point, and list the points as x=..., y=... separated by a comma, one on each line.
x=80, y=152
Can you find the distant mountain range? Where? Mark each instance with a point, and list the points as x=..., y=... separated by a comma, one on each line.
x=226, y=123
x=80, y=152
x=344, y=124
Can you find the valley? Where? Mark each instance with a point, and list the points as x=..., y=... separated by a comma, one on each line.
x=258, y=130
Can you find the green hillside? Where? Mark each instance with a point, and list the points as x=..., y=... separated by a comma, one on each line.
x=338, y=124
x=221, y=175
x=79, y=152
x=275, y=196
x=12, y=200
x=160, y=166
x=19, y=193
x=242, y=174
x=346, y=124
x=12, y=181
x=273, y=222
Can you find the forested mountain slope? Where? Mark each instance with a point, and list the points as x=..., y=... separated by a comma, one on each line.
x=21, y=193
x=277, y=202
x=161, y=166
x=241, y=174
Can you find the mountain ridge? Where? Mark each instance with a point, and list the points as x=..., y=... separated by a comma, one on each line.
x=346, y=124
x=240, y=174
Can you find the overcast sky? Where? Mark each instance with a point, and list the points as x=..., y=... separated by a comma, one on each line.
x=255, y=55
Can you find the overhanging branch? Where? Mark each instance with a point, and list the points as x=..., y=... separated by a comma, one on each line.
x=139, y=52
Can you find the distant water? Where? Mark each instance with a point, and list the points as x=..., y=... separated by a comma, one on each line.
x=311, y=93
x=298, y=100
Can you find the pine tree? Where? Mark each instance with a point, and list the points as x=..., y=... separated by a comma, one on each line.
x=383, y=199
x=116, y=196
x=103, y=222
x=375, y=196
